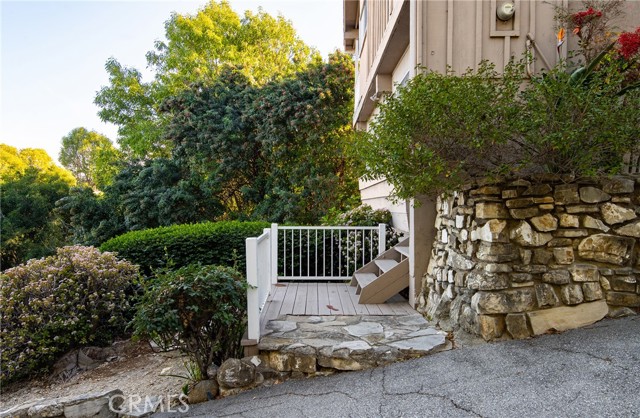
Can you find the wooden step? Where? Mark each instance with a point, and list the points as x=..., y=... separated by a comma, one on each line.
x=387, y=284
x=386, y=265
x=364, y=279
x=402, y=250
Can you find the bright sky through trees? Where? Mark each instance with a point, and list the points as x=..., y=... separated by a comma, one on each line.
x=53, y=55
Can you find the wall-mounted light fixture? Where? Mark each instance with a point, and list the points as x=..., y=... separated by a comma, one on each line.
x=505, y=11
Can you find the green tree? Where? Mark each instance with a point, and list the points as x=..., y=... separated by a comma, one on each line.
x=215, y=141
x=197, y=48
x=304, y=126
x=276, y=151
x=30, y=185
x=160, y=193
x=89, y=218
x=28, y=225
x=15, y=162
x=11, y=164
x=90, y=156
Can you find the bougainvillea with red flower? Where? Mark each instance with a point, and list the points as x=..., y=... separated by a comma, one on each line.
x=581, y=18
x=629, y=43
x=591, y=24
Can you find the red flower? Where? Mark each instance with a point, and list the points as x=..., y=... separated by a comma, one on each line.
x=629, y=43
x=580, y=18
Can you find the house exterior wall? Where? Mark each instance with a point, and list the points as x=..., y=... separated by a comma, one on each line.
x=437, y=35
x=375, y=193
x=456, y=34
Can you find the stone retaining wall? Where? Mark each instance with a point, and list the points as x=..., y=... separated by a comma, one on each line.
x=523, y=258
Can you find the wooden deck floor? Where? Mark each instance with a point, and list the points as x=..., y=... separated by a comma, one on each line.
x=303, y=298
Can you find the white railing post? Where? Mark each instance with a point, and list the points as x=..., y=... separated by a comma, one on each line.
x=382, y=238
x=274, y=253
x=253, y=302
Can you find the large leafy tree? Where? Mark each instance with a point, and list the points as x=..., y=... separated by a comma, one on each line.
x=90, y=156
x=304, y=126
x=214, y=138
x=196, y=49
x=29, y=191
x=14, y=163
x=161, y=193
x=275, y=151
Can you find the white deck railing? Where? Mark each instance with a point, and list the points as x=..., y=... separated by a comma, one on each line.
x=326, y=252
x=258, y=279
x=305, y=253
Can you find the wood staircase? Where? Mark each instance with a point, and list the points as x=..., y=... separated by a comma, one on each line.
x=384, y=276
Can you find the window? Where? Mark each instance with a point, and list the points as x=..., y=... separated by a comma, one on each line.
x=362, y=26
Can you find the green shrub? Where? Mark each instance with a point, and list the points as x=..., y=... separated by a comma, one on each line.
x=199, y=309
x=365, y=215
x=220, y=243
x=76, y=297
x=440, y=131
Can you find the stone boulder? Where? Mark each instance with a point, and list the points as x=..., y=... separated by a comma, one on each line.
x=203, y=391
x=493, y=231
x=506, y=301
x=615, y=214
x=235, y=373
x=593, y=195
x=630, y=230
x=563, y=318
x=102, y=404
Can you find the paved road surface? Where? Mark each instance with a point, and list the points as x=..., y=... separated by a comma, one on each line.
x=592, y=372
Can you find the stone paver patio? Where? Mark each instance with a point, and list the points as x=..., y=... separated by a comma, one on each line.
x=311, y=344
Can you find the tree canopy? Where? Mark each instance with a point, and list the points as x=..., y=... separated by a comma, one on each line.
x=31, y=184
x=14, y=163
x=275, y=152
x=90, y=156
x=196, y=49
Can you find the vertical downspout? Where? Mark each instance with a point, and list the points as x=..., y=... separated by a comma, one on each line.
x=413, y=62
x=413, y=36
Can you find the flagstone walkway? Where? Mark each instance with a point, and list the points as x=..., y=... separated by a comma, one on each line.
x=310, y=344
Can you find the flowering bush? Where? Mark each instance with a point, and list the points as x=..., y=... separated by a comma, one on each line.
x=76, y=297
x=629, y=44
x=591, y=25
x=581, y=18
x=199, y=309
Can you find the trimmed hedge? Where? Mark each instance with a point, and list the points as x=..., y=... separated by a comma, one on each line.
x=219, y=243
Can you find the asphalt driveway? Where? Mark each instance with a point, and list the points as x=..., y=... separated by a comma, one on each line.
x=591, y=372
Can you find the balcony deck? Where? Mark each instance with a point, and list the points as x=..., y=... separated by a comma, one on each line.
x=322, y=298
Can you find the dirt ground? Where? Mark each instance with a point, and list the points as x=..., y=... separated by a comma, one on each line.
x=137, y=370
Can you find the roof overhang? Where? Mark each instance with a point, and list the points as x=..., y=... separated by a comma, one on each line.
x=395, y=41
x=350, y=23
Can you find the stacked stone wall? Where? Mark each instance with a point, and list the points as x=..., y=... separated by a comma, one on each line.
x=526, y=257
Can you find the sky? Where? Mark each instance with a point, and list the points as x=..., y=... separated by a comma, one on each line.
x=52, y=56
